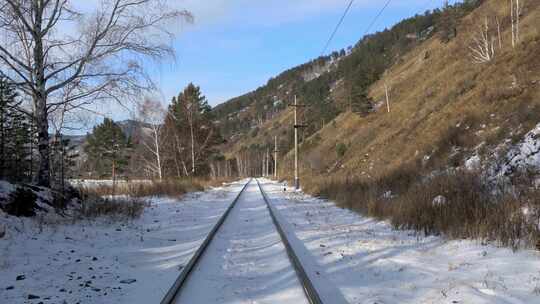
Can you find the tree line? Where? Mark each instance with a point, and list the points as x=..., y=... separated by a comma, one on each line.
x=177, y=142
x=19, y=144
x=63, y=59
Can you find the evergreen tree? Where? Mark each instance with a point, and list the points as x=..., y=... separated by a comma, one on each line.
x=447, y=23
x=63, y=156
x=15, y=136
x=108, y=149
x=189, y=124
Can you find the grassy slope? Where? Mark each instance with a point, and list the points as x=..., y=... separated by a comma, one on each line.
x=442, y=107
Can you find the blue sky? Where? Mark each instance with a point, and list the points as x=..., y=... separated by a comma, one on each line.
x=235, y=46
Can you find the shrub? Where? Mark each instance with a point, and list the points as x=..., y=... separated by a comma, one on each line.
x=22, y=202
x=341, y=149
x=122, y=208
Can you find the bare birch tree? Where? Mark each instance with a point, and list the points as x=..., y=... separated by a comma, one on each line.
x=499, y=36
x=515, y=15
x=49, y=47
x=151, y=114
x=482, y=48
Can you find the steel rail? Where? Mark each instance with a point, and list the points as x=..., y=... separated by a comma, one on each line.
x=175, y=289
x=310, y=291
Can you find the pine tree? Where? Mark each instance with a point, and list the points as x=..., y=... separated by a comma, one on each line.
x=357, y=86
x=107, y=148
x=189, y=124
x=361, y=103
x=15, y=136
x=448, y=23
x=63, y=156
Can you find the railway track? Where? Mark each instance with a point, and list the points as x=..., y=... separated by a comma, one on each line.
x=310, y=291
x=175, y=289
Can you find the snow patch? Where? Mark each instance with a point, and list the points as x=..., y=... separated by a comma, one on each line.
x=473, y=163
x=5, y=189
x=524, y=155
x=439, y=200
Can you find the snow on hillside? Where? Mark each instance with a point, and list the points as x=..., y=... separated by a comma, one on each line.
x=105, y=261
x=524, y=155
x=372, y=263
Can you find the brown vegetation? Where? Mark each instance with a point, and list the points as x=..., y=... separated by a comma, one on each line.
x=118, y=208
x=127, y=200
x=456, y=204
x=171, y=188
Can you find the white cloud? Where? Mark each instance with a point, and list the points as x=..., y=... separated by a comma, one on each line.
x=269, y=13
x=264, y=12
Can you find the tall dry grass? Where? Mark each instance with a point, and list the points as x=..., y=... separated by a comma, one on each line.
x=171, y=188
x=126, y=201
x=456, y=204
x=117, y=208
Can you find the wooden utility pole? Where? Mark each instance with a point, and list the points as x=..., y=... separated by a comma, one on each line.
x=263, y=163
x=387, y=97
x=113, y=176
x=296, y=177
x=275, y=158
x=267, y=162
x=296, y=127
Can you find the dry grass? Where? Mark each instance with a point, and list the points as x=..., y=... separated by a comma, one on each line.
x=118, y=208
x=173, y=188
x=127, y=201
x=467, y=206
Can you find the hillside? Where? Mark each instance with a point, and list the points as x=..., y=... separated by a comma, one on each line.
x=456, y=129
x=444, y=108
x=442, y=105
x=329, y=86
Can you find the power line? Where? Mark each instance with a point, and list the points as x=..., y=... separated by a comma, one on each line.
x=337, y=27
x=377, y=17
x=343, y=18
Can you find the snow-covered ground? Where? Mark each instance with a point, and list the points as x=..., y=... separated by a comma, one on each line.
x=369, y=262
x=362, y=259
x=105, y=261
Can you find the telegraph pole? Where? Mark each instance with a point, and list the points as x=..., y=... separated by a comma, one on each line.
x=275, y=158
x=296, y=177
x=263, y=164
x=267, y=162
x=387, y=97
x=296, y=127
